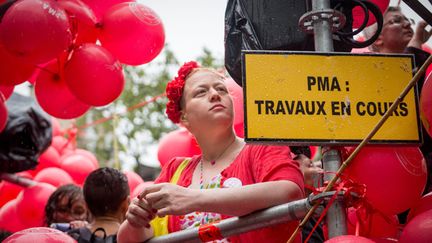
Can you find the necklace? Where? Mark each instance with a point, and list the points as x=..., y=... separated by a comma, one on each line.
x=213, y=162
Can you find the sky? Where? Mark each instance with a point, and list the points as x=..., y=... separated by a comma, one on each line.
x=191, y=25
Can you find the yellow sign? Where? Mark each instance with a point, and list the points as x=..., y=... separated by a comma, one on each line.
x=327, y=98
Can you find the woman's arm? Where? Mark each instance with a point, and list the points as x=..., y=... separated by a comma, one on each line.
x=172, y=199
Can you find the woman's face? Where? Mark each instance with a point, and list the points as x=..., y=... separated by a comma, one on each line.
x=67, y=211
x=206, y=98
x=396, y=32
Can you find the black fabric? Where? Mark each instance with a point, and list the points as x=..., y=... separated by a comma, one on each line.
x=270, y=25
x=28, y=133
x=84, y=235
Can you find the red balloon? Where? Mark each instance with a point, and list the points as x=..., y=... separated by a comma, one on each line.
x=349, y=239
x=37, y=30
x=99, y=7
x=9, y=191
x=372, y=224
x=78, y=167
x=9, y=219
x=133, y=33
x=49, y=158
x=3, y=113
x=54, y=96
x=358, y=14
x=61, y=144
x=82, y=19
x=89, y=155
x=419, y=229
x=395, y=177
x=13, y=70
x=31, y=203
x=178, y=143
x=6, y=91
x=421, y=206
x=139, y=188
x=54, y=176
x=133, y=179
x=426, y=104
x=40, y=234
x=94, y=76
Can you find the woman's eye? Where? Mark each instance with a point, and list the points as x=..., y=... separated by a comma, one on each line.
x=200, y=92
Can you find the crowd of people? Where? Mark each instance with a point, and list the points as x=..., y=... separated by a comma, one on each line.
x=230, y=178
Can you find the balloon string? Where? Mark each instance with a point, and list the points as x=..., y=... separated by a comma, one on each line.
x=380, y=123
x=115, y=144
x=131, y=108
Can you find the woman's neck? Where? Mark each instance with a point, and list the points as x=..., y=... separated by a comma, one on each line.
x=214, y=147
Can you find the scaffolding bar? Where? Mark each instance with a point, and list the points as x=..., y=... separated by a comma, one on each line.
x=233, y=226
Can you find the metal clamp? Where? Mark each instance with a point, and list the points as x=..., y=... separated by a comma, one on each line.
x=335, y=18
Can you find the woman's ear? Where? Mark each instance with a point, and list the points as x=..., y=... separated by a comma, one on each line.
x=183, y=119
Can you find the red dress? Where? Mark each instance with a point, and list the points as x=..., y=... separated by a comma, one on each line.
x=254, y=164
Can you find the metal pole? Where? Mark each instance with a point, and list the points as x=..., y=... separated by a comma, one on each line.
x=233, y=226
x=321, y=26
x=19, y=180
x=336, y=215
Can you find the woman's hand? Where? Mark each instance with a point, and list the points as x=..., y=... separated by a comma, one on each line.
x=140, y=213
x=170, y=199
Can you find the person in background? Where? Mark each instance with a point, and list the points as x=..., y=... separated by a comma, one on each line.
x=230, y=178
x=398, y=36
x=106, y=192
x=67, y=205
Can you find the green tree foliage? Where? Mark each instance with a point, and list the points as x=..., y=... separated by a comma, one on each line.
x=132, y=133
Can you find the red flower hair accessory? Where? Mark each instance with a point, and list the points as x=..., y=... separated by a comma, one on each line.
x=174, y=91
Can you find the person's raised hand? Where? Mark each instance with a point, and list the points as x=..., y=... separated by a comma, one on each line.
x=421, y=35
x=78, y=224
x=140, y=213
x=170, y=199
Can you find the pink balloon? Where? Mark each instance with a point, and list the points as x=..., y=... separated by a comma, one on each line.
x=358, y=14
x=38, y=30
x=237, y=94
x=3, y=113
x=13, y=70
x=89, y=155
x=9, y=219
x=56, y=127
x=54, y=96
x=40, y=234
x=94, y=76
x=395, y=177
x=6, y=91
x=139, y=188
x=78, y=167
x=419, y=229
x=31, y=203
x=426, y=104
x=61, y=144
x=82, y=19
x=133, y=179
x=349, y=239
x=177, y=143
x=138, y=43
x=54, y=176
x=99, y=7
x=372, y=224
x=421, y=206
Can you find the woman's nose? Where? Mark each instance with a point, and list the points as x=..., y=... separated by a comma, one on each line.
x=214, y=95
